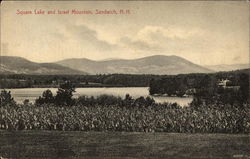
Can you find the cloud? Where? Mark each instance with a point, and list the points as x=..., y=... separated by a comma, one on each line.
x=157, y=38
x=137, y=44
x=87, y=37
x=168, y=32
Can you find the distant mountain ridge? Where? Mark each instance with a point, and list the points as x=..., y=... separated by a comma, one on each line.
x=19, y=65
x=158, y=64
x=227, y=67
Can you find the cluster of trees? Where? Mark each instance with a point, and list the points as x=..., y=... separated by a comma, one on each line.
x=180, y=84
x=237, y=94
x=125, y=80
x=63, y=96
x=107, y=100
x=205, y=87
x=159, y=84
x=15, y=83
x=6, y=98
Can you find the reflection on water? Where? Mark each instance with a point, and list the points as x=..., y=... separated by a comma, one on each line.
x=32, y=93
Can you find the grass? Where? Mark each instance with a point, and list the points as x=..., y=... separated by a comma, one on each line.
x=122, y=145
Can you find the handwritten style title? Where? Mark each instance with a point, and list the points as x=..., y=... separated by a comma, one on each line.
x=72, y=11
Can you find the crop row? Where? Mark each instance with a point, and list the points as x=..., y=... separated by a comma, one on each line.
x=153, y=118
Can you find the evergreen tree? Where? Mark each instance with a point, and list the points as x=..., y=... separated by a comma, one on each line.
x=64, y=94
x=6, y=98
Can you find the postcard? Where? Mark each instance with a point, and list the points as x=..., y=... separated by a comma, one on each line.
x=124, y=79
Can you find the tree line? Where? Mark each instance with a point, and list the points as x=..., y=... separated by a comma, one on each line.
x=100, y=80
x=205, y=87
x=184, y=81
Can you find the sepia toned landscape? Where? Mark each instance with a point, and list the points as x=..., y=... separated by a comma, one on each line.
x=124, y=79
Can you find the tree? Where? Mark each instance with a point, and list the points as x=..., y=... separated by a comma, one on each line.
x=64, y=94
x=47, y=98
x=6, y=99
x=244, y=87
x=26, y=102
x=152, y=87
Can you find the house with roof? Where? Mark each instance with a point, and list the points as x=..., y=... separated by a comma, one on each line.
x=225, y=83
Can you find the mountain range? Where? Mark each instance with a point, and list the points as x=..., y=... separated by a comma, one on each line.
x=157, y=64
x=227, y=67
x=19, y=65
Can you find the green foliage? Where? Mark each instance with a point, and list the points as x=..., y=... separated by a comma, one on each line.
x=62, y=98
x=47, y=98
x=102, y=100
x=233, y=95
x=26, y=102
x=206, y=88
x=107, y=100
x=64, y=94
x=143, y=102
x=244, y=87
x=6, y=98
x=171, y=85
x=45, y=81
x=153, y=87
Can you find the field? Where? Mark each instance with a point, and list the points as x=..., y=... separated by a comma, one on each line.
x=121, y=145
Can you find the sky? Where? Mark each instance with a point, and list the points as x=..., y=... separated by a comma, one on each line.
x=205, y=33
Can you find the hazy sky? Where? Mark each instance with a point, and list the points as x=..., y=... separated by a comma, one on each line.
x=205, y=33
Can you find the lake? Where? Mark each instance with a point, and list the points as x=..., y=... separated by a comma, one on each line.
x=20, y=95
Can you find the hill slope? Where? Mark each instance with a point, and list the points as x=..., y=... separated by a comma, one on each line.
x=18, y=65
x=148, y=65
x=227, y=67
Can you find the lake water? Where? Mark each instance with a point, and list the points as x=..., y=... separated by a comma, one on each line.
x=20, y=95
